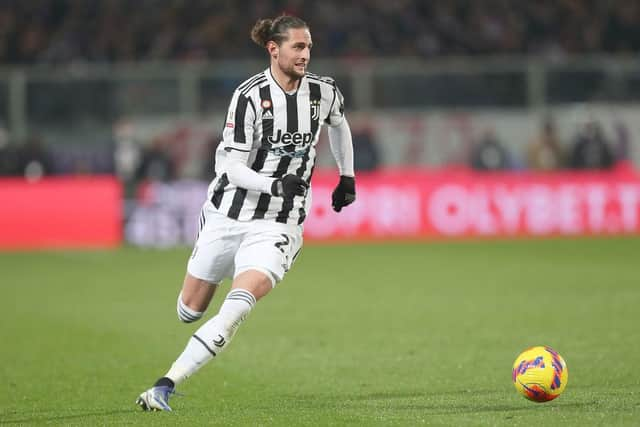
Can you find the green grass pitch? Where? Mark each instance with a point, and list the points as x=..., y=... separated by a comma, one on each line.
x=369, y=334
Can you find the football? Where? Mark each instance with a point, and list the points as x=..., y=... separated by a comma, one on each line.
x=540, y=374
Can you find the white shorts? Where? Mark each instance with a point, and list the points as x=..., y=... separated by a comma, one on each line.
x=226, y=247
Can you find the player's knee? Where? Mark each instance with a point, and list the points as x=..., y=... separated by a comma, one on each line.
x=185, y=313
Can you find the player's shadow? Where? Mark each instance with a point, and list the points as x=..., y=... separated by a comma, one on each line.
x=53, y=418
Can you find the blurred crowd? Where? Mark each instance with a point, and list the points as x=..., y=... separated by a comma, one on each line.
x=70, y=31
x=62, y=31
x=163, y=157
x=35, y=158
x=589, y=149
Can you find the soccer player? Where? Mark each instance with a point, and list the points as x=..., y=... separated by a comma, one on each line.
x=251, y=222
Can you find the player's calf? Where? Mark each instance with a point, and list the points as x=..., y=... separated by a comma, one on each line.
x=213, y=336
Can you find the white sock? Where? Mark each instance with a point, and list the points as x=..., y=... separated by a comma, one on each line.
x=186, y=314
x=212, y=337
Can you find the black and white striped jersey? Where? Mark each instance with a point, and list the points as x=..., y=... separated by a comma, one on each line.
x=280, y=132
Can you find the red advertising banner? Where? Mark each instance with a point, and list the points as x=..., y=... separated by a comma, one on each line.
x=462, y=203
x=60, y=212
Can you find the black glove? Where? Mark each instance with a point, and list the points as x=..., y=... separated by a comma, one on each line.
x=289, y=186
x=344, y=194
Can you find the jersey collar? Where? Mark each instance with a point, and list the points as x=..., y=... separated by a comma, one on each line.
x=267, y=73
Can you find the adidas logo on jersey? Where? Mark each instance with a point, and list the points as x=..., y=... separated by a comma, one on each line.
x=267, y=115
x=295, y=138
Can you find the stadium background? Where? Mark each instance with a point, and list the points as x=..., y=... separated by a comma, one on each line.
x=481, y=122
x=461, y=88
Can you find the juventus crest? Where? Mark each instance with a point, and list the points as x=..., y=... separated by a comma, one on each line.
x=315, y=109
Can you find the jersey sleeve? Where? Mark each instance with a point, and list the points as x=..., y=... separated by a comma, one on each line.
x=336, y=111
x=239, y=123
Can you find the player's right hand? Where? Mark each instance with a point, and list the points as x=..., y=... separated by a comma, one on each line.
x=289, y=186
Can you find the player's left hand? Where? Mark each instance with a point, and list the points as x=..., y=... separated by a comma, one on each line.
x=344, y=193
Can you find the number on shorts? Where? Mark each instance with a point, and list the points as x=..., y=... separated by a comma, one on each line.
x=282, y=243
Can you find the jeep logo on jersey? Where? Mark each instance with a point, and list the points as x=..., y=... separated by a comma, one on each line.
x=295, y=138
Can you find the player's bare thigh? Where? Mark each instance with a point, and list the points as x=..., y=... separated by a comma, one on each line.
x=197, y=293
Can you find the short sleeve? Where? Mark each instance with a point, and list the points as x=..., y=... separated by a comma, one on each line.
x=239, y=123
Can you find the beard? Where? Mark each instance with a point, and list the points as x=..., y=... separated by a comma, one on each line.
x=292, y=72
